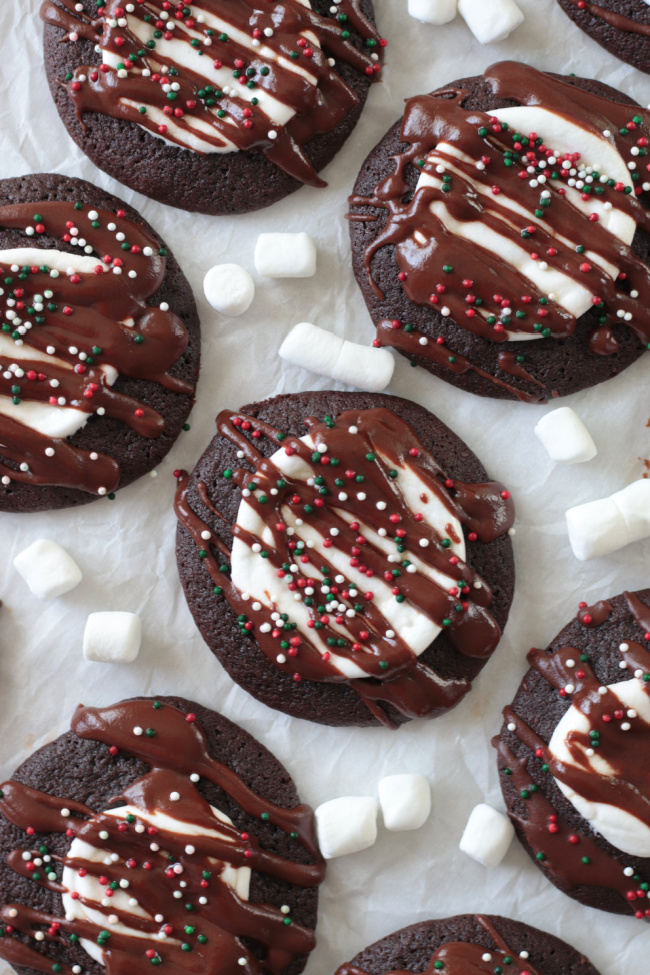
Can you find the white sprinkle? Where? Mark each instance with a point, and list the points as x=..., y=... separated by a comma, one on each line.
x=512, y=726
x=103, y=834
x=189, y=849
x=174, y=796
x=164, y=306
x=65, y=813
x=137, y=731
x=194, y=777
x=424, y=543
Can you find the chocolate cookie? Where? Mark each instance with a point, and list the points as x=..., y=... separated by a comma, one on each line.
x=156, y=832
x=223, y=108
x=342, y=594
x=99, y=348
x=480, y=943
x=494, y=263
x=622, y=27
x=586, y=697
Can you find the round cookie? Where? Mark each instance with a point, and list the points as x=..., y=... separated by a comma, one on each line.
x=87, y=403
x=200, y=793
x=622, y=27
x=355, y=664
x=500, y=306
x=288, y=119
x=584, y=696
x=480, y=941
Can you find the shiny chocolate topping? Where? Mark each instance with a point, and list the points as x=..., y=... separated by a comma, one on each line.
x=617, y=20
x=376, y=555
x=138, y=918
x=497, y=212
x=621, y=740
x=223, y=75
x=71, y=323
x=467, y=958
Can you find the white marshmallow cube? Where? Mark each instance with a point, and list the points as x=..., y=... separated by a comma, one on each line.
x=433, y=11
x=229, y=288
x=634, y=504
x=405, y=801
x=487, y=836
x=112, y=638
x=285, y=256
x=565, y=437
x=346, y=825
x=47, y=569
x=490, y=21
x=601, y=527
x=324, y=352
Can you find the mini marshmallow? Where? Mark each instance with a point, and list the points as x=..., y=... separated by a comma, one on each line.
x=324, y=352
x=434, y=11
x=405, y=801
x=47, y=569
x=490, y=20
x=229, y=288
x=601, y=527
x=487, y=836
x=565, y=437
x=112, y=638
x=285, y=256
x=346, y=825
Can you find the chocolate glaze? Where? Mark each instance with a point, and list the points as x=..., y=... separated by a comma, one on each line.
x=466, y=958
x=583, y=863
x=619, y=21
x=494, y=298
x=318, y=108
x=394, y=674
x=177, y=749
x=86, y=312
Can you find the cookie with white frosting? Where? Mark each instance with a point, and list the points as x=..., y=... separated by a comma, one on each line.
x=345, y=557
x=622, y=27
x=573, y=756
x=155, y=832
x=99, y=344
x=477, y=943
x=500, y=233
x=223, y=106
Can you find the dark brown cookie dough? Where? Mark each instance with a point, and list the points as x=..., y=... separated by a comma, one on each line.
x=562, y=366
x=412, y=948
x=216, y=183
x=135, y=454
x=84, y=771
x=327, y=703
x=622, y=27
x=541, y=707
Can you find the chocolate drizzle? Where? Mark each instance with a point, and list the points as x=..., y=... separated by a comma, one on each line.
x=619, y=21
x=212, y=944
x=208, y=110
x=467, y=958
x=622, y=740
x=374, y=447
x=71, y=333
x=476, y=169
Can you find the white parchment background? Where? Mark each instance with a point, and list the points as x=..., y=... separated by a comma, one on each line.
x=126, y=547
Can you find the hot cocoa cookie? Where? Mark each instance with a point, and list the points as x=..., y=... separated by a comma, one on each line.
x=99, y=348
x=573, y=756
x=221, y=107
x=368, y=572
x=482, y=944
x=500, y=233
x=155, y=832
x=622, y=27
